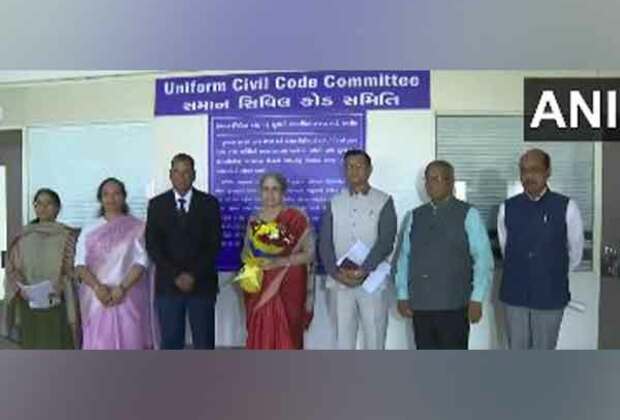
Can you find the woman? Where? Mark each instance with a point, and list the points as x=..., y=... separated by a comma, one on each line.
x=278, y=314
x=115, y=294
x=41, y=256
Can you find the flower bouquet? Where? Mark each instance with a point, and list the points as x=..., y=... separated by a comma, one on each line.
x=267, y=241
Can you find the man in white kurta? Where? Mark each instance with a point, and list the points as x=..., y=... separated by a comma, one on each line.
x=359, y=213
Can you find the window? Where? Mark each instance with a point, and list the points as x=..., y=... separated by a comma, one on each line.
x=73, y=160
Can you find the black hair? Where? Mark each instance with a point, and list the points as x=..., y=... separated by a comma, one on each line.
x=51, y=194
x=357, y=152
x=182, y=157
x=125, y=207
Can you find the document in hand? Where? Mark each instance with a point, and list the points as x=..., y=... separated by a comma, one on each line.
x=376, y=278
x=356, y=254
x=39, y=294
x=355, y=257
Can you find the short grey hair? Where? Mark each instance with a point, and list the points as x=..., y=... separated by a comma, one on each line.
x=445, y=167
x=278, y=177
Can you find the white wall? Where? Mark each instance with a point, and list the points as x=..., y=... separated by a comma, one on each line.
x=401, y=142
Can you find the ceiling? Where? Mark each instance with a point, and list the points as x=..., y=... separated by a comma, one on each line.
x=30, y=76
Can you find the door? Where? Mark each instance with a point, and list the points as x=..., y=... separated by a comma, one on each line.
x=10, y=192
x=609, y=311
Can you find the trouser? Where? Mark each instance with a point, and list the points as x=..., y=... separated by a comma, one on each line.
x=172, y=310
x=441, y=329
x=353, y=306
x=528, y=328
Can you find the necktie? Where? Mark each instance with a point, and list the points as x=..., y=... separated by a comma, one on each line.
x=182, y=209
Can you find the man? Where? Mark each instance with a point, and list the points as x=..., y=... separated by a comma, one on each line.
x=365, y=214
x=183, y=238
x=541, y=237
x=445, y=264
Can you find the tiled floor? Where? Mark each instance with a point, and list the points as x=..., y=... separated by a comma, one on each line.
x=7, y=345
x=609, y=317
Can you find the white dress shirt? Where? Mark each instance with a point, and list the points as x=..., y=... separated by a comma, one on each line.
x=574, y=231
x=187, y=197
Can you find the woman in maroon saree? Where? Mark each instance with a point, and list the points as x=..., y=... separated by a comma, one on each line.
x=280, y=312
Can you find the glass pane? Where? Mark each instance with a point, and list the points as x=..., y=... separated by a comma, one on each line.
x=73, y=160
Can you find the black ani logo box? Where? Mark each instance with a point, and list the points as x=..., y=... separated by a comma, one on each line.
x=571, y=109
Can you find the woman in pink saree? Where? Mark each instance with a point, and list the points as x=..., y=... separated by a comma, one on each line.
x=116, y=291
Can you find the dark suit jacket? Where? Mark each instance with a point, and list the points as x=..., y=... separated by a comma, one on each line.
x=188, y=243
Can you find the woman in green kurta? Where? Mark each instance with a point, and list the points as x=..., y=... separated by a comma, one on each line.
x=44, y=250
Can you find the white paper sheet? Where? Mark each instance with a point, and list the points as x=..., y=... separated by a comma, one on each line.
x=376, y=278
x=357, y=253
x=39, y=294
